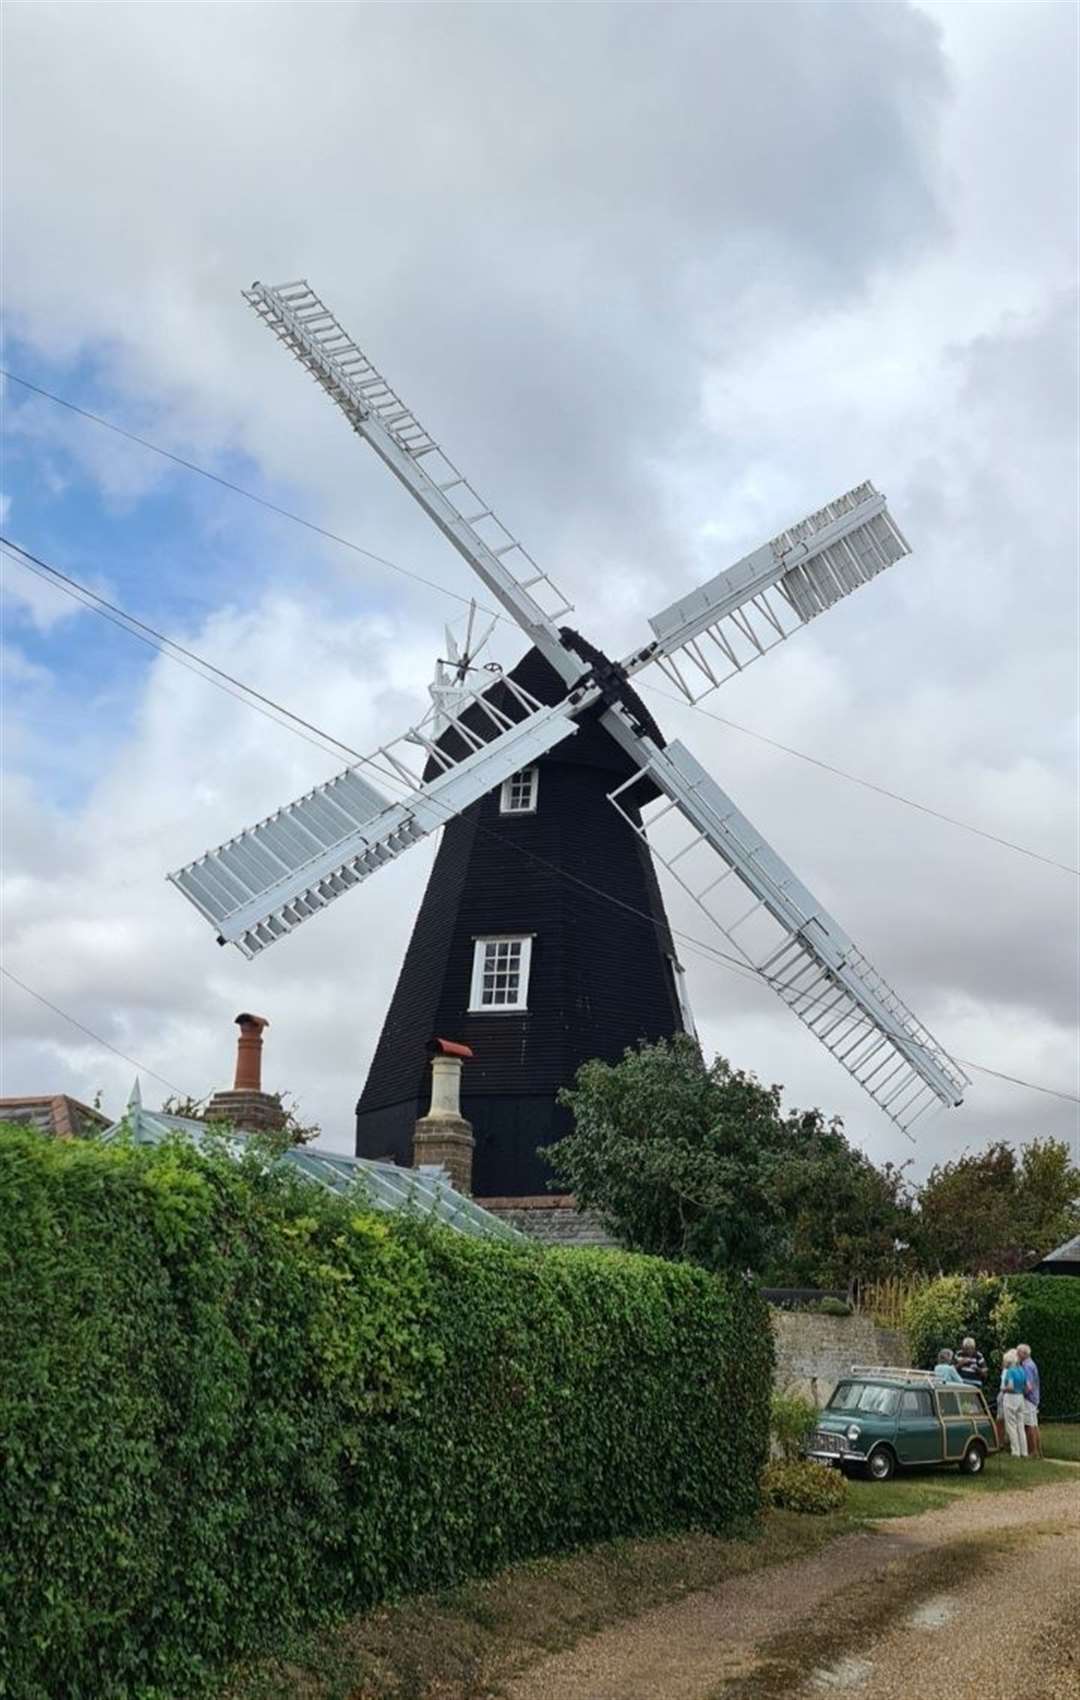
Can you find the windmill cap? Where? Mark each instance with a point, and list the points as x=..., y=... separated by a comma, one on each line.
x=448, y=1048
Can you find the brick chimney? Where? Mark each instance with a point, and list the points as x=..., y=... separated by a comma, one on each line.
x=247, y=1106
x=443, y=1135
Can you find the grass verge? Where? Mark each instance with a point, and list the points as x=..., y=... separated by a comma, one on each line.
x=1061, y=1440
x=461, y=1644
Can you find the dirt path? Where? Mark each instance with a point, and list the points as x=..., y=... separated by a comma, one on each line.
x=849, y=1618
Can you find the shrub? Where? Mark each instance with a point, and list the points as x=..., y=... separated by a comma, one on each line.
x=832, y=1307
x=942, y=1312
x=792, y=1419
x=232, y=1405
x=803, y=1485
x=1047, y=1316
x=1044, y=1310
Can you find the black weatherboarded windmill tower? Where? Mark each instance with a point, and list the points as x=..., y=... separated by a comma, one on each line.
x=542, y=938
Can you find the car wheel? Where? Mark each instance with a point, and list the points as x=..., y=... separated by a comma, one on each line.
x=881, y=1464
x=974, y=1458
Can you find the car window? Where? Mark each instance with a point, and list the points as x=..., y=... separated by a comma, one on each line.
x=970, y=1404
x=846, y=1396
x=916, y=1403
x=949, y=1404
x=880, y=1401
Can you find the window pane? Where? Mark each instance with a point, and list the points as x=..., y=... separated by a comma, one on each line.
x=949, y=1404
x=882, y=1401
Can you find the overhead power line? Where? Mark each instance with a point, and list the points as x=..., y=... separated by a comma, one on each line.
x=443, y=590
x=241, y=490
x=868, y=784
x=187, y=658
x=90, y=1034
x=195, y=663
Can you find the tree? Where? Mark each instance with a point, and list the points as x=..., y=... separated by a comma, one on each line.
x=675, y=1156
x=993, y=1212
x=844, y=1219
x=701, y=1163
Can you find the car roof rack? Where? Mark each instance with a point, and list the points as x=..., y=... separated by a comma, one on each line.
x=896, y=1372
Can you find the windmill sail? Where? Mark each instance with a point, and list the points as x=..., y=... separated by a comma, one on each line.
x=376, y=413
x=265, y=882
x=716, y=631
x=788, y=938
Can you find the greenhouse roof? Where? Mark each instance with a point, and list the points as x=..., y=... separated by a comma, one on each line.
x=383, y=1186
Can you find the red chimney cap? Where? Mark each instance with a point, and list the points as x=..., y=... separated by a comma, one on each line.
x=246, y=1020
x=448, y=1048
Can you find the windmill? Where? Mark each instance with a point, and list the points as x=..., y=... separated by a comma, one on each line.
x=563, y=741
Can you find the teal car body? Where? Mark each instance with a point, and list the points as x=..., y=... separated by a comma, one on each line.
x=879, y=1420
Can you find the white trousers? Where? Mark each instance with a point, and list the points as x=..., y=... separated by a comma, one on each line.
x=1014, y=1424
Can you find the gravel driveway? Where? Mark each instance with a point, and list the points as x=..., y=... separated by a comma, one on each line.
x=878, y=1613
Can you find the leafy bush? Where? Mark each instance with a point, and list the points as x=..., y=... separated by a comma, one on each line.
x=1047, y=1316
x=999, y=1311
x=232, y=1405
x=942, y=1312
x=832, y=1307
x=803, y=1485
x=791, y=1420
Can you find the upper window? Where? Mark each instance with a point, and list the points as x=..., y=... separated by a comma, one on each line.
x=948, y=1404
x=518, y=794
x=500, y=976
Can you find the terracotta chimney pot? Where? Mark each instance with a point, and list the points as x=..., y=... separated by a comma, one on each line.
x=249, y=1053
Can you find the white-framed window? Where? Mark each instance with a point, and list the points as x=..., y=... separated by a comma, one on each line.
x=518, y=794
x=500, y=975
x=683, y=996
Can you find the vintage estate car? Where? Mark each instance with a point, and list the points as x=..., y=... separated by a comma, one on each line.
x=879, y=1418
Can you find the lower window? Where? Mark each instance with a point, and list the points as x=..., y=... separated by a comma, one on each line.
x=500, y=975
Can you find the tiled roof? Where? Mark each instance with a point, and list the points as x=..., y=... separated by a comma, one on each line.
x=383, y=1186
x=1069, y=1252
x=551, y=1219
x=65, y=1117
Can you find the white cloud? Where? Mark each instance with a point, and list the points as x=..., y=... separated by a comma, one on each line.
x=666, y=278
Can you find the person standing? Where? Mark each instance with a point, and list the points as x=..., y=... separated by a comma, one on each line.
x=971, y=1364
x=1013, y=1384
x=944, y=1369
x=1031, y=1400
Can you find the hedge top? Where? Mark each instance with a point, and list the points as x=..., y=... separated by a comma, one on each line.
x=420, y=1192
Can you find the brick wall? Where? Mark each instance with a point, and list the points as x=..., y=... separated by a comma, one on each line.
x=813, y=1352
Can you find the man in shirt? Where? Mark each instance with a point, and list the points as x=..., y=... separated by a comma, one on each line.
x=1031, y=1399
x=971, y=1364
x=944, y=1369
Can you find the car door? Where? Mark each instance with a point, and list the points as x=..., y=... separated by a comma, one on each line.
x=972, y=1407
x=959, y=1428
x=918, y=1430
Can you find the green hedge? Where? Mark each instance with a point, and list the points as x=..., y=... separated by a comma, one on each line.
x=999, y=1311
x=1048, y=1318
x=232, y=1405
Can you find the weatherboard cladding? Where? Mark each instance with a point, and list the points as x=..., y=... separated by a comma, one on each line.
x=600, y=976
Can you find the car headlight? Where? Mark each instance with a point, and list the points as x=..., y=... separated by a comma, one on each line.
x=853, y=1433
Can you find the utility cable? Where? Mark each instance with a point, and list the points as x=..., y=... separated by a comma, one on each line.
x=196, y=664
x=701, y=947
x=250, y=495
x=868, y=784
x=431, y=584
x=90, y=1034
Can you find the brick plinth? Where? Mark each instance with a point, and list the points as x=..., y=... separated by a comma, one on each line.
x=254, y=1112
x=447, y=1140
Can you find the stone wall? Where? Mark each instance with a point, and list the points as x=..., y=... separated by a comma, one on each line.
x=813, y=1352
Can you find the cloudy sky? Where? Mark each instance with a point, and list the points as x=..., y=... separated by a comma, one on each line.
x=664, y=279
